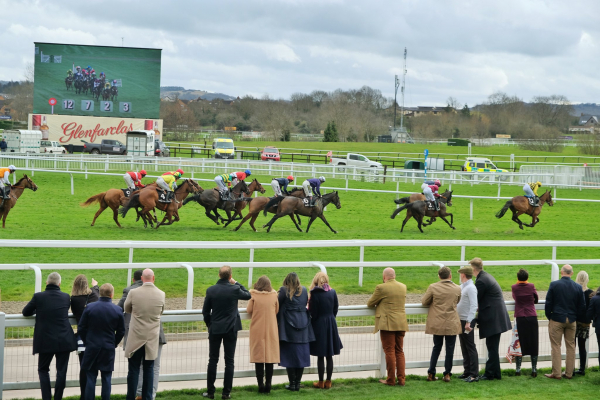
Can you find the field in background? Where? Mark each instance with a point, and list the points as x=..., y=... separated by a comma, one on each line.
x=53, y=213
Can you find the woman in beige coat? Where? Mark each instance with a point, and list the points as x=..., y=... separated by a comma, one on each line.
x=264, y=336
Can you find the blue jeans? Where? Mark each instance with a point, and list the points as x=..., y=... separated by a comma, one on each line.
x=134, y=373
x=90, y=387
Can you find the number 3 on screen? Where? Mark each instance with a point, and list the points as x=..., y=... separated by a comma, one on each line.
x=107, y=106
x=124, y=107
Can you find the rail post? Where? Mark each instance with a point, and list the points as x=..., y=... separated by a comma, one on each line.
x=360, y=269
x=85, y=171
x=190, y=288
x=38, y=277
x=499, y=190
x=554, y=274
x=321, y=266
x=72, y=185
x=250, y=270
x=471, y=211
x=462, y=253
x=129, y=270
x=553, y=253
x=397, y=192
x=2, y=338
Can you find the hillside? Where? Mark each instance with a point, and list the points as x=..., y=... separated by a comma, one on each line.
x=180, y=92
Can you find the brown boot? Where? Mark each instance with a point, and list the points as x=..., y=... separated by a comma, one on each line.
x=446, y=377
x=319, y=385
x=327, y=385
x=431, y=378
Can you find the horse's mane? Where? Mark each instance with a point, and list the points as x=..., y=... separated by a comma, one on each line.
x=295, y=189
x=20, y=180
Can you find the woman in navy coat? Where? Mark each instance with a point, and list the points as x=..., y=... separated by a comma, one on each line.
x=295, y=330
x=323, y=307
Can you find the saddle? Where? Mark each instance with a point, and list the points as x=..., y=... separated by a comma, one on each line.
x=532, y=202
x=163, y=196
x=224, y=196
x=306, y=202
x=430, y=205
x=126, y=192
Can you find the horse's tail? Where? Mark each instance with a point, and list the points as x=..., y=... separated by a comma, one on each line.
x=97, y=198
x=133, y=202
x=273, y=202
x=403, y=200
x=501, y=213
x=397, y=211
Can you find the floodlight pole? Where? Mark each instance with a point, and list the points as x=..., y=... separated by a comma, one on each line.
x=403, y=86
x=396, y=83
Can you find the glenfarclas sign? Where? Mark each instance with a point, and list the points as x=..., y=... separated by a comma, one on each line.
x=73, y=130
x=68, y=129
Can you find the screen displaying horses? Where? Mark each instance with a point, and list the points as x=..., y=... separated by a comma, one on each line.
x=97, y=81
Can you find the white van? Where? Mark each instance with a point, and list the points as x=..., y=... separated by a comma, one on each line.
x=23, y=141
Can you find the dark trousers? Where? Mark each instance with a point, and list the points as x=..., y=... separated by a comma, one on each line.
x=598, y=340
x=492, y=365
x=133, y=375
x=438, y=342
x=82, y=377
x=62, y=362
x=229, y=340
x=582, y=352
x=90, y=387
x=469, y=351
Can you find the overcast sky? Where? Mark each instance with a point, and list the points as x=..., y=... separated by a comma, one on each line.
x=464, y=49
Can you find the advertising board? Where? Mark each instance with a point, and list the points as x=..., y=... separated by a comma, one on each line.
x=68, y=129
x=96, y=81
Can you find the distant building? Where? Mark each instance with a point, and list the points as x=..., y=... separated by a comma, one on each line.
x=587, y=124
x=425, y=110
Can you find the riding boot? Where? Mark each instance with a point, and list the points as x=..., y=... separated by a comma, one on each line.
x=299, y=372
x=534, y=366
x=291, y=372
x=536, y=201
x=518, y=361
x=268, y=377
x=260, y=376
x=437, y=206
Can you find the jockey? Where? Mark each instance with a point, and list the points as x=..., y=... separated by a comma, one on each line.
x=114, y=83
x=5, y=181
x=428, y=192
x=531, y=189
x=89, y=69
x=222, y=182
x=311, y=186
x=69, y=73
x=167, y=182
x=281, y=184
x=239, y=176
x=180, y=171
x=134, y=179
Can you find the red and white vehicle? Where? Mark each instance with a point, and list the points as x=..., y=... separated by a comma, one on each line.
x=270, y=153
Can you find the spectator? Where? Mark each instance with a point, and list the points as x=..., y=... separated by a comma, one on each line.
x=136, y=283
x=443, y=321
x=3, y=146
x=295, y=330
x=223, y=321
x=389, y=299
x=492, y=317
x=264, y=338
x=323, y=307
x=582, y=331
x=593, y=314
x=81, y=296
x=526, y=298
x=145, y=304
x=52, y=335
x=466, y=308
x=564, y=306
x=101, y=328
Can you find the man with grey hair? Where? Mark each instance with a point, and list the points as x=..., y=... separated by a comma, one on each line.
x=565, y=304
x=389, y=299
x=145, y=304
x=52, y=335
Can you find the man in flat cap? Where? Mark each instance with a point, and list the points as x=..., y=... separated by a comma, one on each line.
x=467, y=307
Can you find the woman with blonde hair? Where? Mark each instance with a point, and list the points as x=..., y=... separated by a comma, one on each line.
x=582, y=332
x=264, y=338
x=81, y=296
x=295, y=329
x=323, y=307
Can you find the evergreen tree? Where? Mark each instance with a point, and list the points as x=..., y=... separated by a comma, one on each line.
x=465, y=112
x=331, y=133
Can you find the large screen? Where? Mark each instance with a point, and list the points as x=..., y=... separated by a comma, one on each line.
x=96, y=81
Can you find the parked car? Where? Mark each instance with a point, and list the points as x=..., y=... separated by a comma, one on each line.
x=270, y=153
x=51, y=146
x=105, y=147
x=161, y=149
x=224, y=148
x=480, y=164
x=357, y=160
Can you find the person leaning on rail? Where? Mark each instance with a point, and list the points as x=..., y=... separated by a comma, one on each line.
x=467, y=307
x=582, y=332
x=526, y=298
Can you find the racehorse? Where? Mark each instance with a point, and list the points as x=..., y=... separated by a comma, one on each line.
x=148, y=199
x=520, y=205
x=254, y=186
x=211, y=200
x=258, y=204
x=419, y=209
x=78, y=85
x=106, y=93
x=420, y=196
x=114, y=93
x=15, y=192
x=69, y=81
x=293, y=205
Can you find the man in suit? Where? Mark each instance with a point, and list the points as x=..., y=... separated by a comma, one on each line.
x=222, y=318
x=52, y=335
x=101, y=328
x=492, y=317
x=145, y=304
x=389, y=299
x=443, y=321
x=137, y=282
x=565, y=304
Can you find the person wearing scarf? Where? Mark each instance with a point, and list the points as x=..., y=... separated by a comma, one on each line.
x=526, y=298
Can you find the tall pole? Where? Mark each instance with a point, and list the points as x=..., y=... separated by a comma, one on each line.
x=402, y=91
x=396, y=83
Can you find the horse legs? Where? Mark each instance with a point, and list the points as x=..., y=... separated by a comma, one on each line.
x=233, y=218
x=396, y=211
x=310, y=222
x=246, y=218
x=326, y=223
x=294, y=221
x=209, y=215
x=515, y=218
x=115, y=215
x=408, y=216
x=102, y=208
x=272, y=221
x=4, y=215
x=446, y=221
x=298, y=216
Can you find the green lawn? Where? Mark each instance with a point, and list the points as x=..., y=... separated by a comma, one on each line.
x=53, y=213
x=417, y=387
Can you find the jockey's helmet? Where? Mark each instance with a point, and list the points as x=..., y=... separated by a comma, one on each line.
x=12, y=168
x=176, y=174
x=437, y=183
x=143, y=172
x=322, y=178
x=290, y=178
x=539, y=183
x=78, y=67
x=180, y=171
x=247, y=172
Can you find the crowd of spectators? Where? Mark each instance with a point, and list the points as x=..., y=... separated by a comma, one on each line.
x=293, y=323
